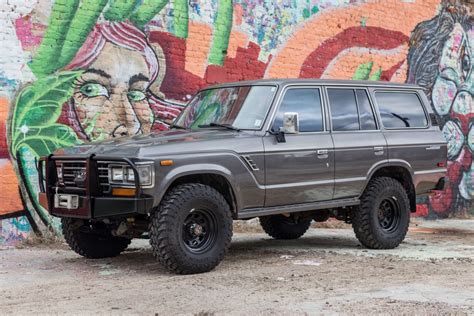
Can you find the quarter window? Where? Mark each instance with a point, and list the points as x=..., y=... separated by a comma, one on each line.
x=307, y=103
x=366, y=115
x=401, y=110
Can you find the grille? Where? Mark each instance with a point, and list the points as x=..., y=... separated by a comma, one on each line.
x=72, y=169
x=103, y=173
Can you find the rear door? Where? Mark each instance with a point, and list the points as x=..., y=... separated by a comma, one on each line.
x=301, y=170
x=358, y=141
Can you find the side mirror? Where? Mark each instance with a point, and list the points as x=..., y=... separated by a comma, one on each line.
x=291, y=123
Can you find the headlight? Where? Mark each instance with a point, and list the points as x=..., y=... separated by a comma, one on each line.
x=125, y=174
x=117, y=174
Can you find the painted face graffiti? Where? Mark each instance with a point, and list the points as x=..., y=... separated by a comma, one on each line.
x=453, y=98
x=446, y=71
x=112, y=98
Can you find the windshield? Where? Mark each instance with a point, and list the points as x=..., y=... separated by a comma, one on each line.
x=242, y=107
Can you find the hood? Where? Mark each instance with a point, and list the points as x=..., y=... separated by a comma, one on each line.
x=164, y=142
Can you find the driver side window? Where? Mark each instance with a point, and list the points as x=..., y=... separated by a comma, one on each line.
x=307, y=103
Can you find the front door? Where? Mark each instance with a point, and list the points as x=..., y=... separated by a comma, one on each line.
x=300, y=170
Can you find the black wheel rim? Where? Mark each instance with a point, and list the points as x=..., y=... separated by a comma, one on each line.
x=388, y=215
x=199, y=231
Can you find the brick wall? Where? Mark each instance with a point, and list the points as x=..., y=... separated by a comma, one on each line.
x=65, y=69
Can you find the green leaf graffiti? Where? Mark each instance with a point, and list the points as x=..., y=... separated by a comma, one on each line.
x=180, y=18
x=37, y=109
x=80, y=27
x=45, y=61
x=222, y=29
x=119, y=10
x=376, y=75
x=44, y=140
x=363, y=71
x=147, y=11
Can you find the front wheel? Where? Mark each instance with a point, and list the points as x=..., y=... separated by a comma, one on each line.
x=191, y=230
x=92, y=240
x=383, y=217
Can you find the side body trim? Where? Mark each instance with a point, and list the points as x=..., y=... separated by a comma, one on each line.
x=264, y=211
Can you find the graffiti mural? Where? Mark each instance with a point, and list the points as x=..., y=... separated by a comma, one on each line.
x=440, y=59
x=88, y=70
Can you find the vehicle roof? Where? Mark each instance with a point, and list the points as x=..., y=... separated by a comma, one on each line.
x=325, y=82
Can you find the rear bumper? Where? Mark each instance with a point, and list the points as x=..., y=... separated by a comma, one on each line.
x=91, y=202
x=427, y=181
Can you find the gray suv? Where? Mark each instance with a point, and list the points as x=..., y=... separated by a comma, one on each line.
x=285, y=151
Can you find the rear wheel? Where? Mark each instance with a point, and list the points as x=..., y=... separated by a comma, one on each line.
x=383, y=217
x=282, y=227
x=92, y=240
x=191, y=230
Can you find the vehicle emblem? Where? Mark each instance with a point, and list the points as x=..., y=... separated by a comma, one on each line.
x=79, y=176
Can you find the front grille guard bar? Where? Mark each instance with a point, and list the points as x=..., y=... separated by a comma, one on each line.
x=48, y=176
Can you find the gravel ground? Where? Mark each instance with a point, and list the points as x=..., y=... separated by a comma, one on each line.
x=325, y=272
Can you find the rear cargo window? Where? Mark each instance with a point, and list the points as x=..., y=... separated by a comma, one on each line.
x=401, y=110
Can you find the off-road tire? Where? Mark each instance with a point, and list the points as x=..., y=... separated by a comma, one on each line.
x=282, y=227
x=366, y=220
x=90, y=245
x=168, y=228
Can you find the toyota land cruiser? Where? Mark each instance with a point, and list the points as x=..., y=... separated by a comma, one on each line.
x=285, y=151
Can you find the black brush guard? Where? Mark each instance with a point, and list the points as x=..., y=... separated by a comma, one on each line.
x=93, y=203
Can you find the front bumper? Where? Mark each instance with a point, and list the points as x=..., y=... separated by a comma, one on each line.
x=92, y=203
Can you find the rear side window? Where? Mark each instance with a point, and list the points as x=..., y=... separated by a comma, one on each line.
x=350, y=110
x=401, y=110
x=307, y=103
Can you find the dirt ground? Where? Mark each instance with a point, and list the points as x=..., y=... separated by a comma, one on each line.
x=325, y=272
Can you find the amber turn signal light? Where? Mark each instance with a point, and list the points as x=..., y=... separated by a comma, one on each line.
x=166, y=163
x=123, y=192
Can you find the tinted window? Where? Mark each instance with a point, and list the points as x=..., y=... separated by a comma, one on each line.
x=343, y=109
x=366, y=115
x=401, y=110
x=307, y=103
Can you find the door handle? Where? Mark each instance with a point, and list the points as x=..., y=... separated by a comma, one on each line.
x=322, y=153
x=378, y=151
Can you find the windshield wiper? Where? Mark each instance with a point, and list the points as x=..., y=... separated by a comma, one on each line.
x=220, y=125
